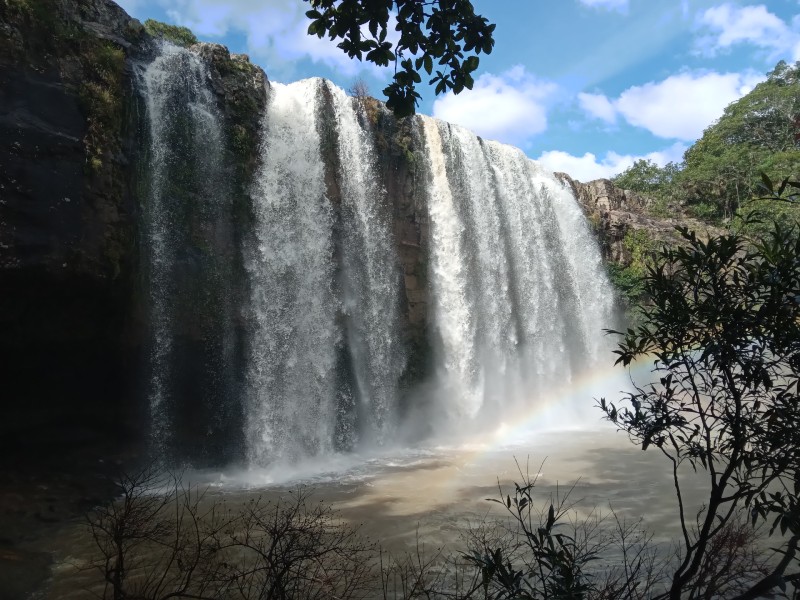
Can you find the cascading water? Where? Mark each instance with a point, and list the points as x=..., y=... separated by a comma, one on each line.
x=187, y=206
x=517, y=295
x=291, y=404
x=520, y=296
x=371, y=290
x=325, y=357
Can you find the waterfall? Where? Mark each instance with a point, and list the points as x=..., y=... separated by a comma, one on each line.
x=371, y=290
x=295, y=335
x=325, y=356
x=520, y=295
x=292, y=338
x=187, y=210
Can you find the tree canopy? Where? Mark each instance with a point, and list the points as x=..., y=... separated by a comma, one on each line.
x=721, y=172
x=646, y=177
x=757, y=133
x=441, y=37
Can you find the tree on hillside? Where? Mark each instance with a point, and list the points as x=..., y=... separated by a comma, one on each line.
x=646, y=177
x=721, y=172
x=757, y=133
x=441, y=37
x=723, y=332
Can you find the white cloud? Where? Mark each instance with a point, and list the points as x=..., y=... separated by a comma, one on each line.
x=589, y=167
x=729, y=25
x=620, y=5
x=598, y=106
x=683, y=105
x=679, y=107
x=275, y=30
x=510, y=107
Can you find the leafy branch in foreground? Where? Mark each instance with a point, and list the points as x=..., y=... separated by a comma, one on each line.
x=552, y=552
x=723, y=332
x=441, y=37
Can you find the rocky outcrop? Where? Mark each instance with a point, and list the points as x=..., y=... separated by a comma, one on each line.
x=67, y=217
x=615, y=213
x=72, y=312
x=241, y=88
x=400, y=145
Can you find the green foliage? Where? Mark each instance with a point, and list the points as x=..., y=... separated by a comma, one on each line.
x=757, y=133
x=641, y=248
x=181, y=36
x=657, y=183
x=36, y=32
x=646, y=177
x=43, y=11
x=101, y=96
x=556, y=560
x=28, y=8
x=449, y=33
x=627, y=281
x=723, y=333
x=241, y=141
x=721, y=172
x=757, y=216
x=776, y=205
x=705, y=211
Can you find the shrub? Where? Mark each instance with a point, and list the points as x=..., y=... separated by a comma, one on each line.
x=181, y=36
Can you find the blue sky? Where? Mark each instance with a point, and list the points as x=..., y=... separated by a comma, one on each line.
x=585, y=86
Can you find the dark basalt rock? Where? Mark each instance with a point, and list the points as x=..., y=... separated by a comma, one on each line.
x=64, y=230
x=73, y=314
x=41, y=170
x=73, y=310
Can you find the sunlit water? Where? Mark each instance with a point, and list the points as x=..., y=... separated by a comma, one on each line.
x=315, y=356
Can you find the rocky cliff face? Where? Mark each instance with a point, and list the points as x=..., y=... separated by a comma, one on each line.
x=71, y=309
x=397, y=142
x=73, y=256
x=616, y=213
x=67, y=217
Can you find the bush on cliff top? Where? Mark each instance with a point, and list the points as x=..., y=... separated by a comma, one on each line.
x=182, y=36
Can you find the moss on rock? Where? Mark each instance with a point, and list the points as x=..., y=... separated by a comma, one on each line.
x=178, y=35
x=101, y=94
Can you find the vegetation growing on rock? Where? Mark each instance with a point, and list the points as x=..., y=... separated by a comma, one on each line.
x=721, y=178
x=101, y=95
x=180, y=36
x=627, y=278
